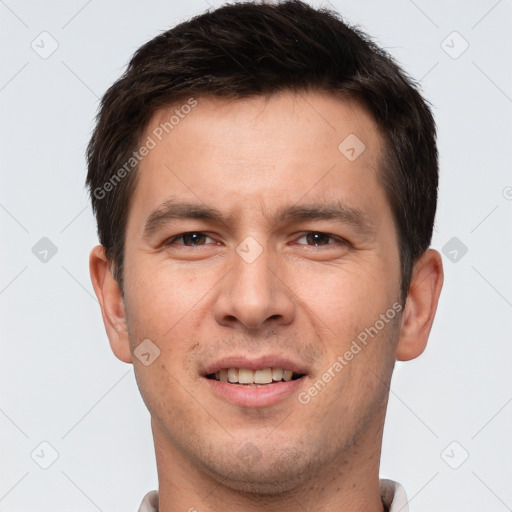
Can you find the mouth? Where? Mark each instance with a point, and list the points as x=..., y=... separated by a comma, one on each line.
x=254, y=378
x=250, y=381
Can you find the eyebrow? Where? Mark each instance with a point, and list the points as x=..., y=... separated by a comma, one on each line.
x=333, y=210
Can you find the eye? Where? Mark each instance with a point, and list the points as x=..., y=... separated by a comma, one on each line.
x=317, y=238
x=191, y=239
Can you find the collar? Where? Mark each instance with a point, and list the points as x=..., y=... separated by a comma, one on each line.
x=392, y=494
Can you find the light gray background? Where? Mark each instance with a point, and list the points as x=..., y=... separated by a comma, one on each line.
x=60, y=382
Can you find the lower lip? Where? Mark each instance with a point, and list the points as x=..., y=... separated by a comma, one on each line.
x=254, y=396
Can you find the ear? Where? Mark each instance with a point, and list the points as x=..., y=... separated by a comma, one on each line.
x=420, y=306
x=111, y=301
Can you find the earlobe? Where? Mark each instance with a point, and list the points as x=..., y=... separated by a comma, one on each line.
x=421, y=305
x=111, y=302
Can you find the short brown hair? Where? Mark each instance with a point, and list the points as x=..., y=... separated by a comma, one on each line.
x=248, y=49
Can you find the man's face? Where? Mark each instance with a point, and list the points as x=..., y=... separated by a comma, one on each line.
x=267, y=285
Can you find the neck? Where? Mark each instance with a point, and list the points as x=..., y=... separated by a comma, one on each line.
x=348, y=483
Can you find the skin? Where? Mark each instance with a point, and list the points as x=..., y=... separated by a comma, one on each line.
x=248, y=158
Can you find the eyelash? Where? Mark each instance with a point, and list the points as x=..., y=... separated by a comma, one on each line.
x=171, y=241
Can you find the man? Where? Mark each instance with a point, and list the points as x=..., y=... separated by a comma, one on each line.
x=265, y=182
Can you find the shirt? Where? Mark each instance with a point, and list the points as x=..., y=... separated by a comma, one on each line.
x=392, y=495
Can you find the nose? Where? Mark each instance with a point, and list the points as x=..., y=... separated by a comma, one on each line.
x=254, y=294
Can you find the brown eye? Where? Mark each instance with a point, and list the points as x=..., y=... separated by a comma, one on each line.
x=192, y=239
x=317, y=238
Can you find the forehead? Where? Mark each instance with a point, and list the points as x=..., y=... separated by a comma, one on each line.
x=257, y=120
x=258, y=152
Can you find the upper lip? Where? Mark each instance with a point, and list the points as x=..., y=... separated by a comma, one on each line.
x=255, y=363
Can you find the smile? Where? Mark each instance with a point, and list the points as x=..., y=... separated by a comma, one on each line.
x=248, y=377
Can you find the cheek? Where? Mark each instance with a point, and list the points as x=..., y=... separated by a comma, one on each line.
x=163, y=306
x=347, y=298
x=161, y=299
x=168, y=401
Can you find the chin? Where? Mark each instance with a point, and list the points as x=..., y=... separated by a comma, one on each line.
x=264, y=472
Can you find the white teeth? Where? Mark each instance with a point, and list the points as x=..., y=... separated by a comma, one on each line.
x=277, y=373
x=247, y=376
x=263, y=376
